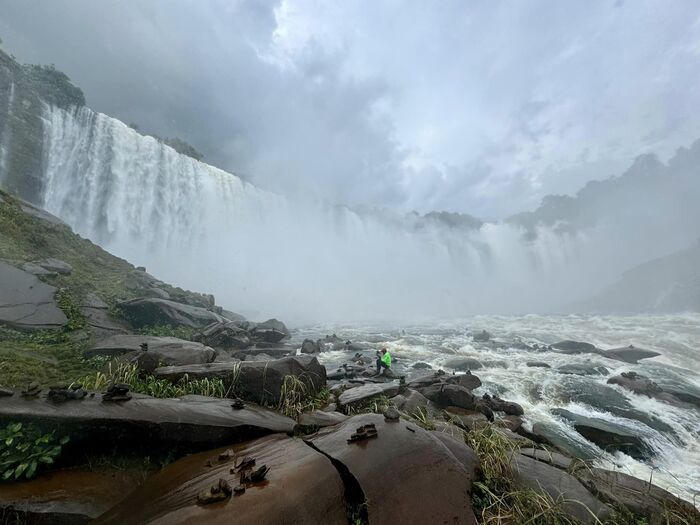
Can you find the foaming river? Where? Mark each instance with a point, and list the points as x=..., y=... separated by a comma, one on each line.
x=675, y=440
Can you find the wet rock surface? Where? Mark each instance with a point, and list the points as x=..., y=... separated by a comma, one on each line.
x=428, y=483
x=550, y=457
x=294, y=472
x=629, y=354
x=319, y=418
x=192, y=422
x=74, y=496
x=168, y=350
x=364, y=393
x=152, y=311
x=26, y=303
x=649, y=501
x=578, y=502
x=607, y=435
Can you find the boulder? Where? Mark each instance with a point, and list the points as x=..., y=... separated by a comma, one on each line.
x=37, y=270
x=468, y=381
x=629, y=354
x=144, y=422
x=607, y=435
x=430, y=379
x=26, y=303
x=169, y=351
x=497, y=404
x=159, y=293
x=562, y=487
x=262, y=381
x=467, y=419
x=583, y=369
x=638, y=496
x=74, y=496
x=227, y=371
x=55, y=265
x=224, y=335
x=538, y=364
x=512, y=423
x=361, y=394
x=464, y=454
x=550, y=457
x=405, y=474
x=574, y=347
x=642, y=385
x=271, y=331
x=451, y=395
x=462, y=364
x=421, y=366
x=411, y=402
x=482, y=337
x=150, y=311
x=319, y=418
x=297, y=474
x=232, y=316
x=310, y=347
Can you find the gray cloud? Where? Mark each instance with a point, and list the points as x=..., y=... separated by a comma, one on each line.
x=480, y=108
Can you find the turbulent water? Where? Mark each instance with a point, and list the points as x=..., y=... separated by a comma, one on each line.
x=676, y=461
x=299, y=259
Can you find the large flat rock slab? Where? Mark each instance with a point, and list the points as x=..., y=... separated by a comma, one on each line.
x=192, y=422
x=148, y=311
x=361, y=394
x=302, y=487
x=169, y=350
x=407, y=474
x=27, y=303
x=574, y=499
x=74, y=496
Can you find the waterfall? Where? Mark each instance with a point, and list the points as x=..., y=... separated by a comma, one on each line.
x=5, y=127
x=203, y=228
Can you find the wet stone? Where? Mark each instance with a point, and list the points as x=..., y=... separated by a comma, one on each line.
x=391, y=414
x=6, y=392
x=363, y=433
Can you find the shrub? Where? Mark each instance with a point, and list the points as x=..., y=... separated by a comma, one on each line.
x=24, y=448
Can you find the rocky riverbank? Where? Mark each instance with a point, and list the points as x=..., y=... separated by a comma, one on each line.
x=146, y=403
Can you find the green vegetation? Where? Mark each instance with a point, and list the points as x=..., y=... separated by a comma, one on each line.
x=24, y=448
x=375, y=405
x=296, y=397
x=181, y=332
x=149, y=385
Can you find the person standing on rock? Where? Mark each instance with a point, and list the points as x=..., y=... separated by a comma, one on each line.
x=383, y=360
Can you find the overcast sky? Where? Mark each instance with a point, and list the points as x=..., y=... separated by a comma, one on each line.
x=480, y=107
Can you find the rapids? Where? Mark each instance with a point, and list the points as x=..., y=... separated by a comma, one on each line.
x=676, y=462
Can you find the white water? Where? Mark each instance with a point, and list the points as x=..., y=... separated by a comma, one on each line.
x=676, y=462
x=302, y=260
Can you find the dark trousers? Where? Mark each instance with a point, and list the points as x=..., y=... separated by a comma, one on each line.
x=381, y=364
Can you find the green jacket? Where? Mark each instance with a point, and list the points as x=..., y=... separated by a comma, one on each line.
x=386, y=358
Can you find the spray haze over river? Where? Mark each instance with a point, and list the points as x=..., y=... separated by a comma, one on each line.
x=306, y=261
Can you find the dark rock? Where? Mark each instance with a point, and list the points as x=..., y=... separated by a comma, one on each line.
x=574, y=347
x=583, y=370
x=224, y=335
x=411, y=461
x=468, y=381
x=551, y=434
x=656, y=505
x=497, y=404
x=310, y=347
x=463, y=364
x=630, y=354
x=421, y=366
x=318, y=418
x=292, y=471
x=465, y=455
x=150, y=311
x=428, y=380
x=575, y=500
x=482, y=337
x=512, y=423
x=607, y=435
x=548, y=456
x=391, y=414
x=271, y=331
x=537, y=364
x=170, y=351
x=451, y=395
x=191, y=422
x=411, y=401
x=261, y=381
x=26, y=303
x=66, y=497
x=362, y=394
x=468, y=419
x=6, y=392
x=642, y=385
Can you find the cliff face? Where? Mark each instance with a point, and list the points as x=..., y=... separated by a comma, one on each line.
x=23, y=91
x=664, y=285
